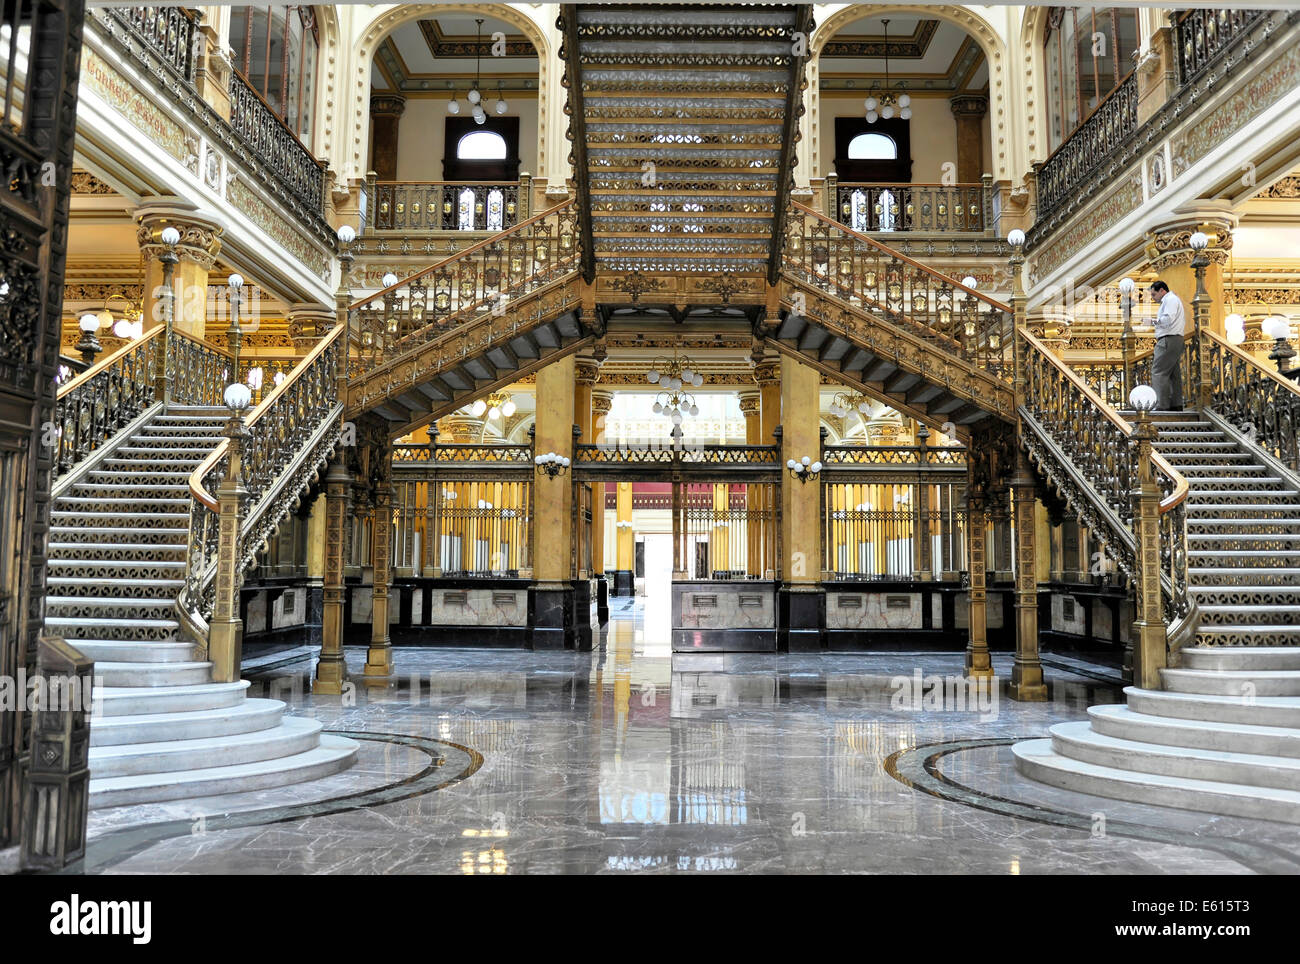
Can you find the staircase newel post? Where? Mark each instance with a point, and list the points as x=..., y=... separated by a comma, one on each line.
x=1128, y=339
x=331, y=670
x=170, y=237
x=379, y=658
x=1149, y=626
x=1200, y=321
x=1026, y=669
x=226, y=631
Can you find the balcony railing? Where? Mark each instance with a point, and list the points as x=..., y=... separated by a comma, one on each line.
x=1203, y=34
x=915, y=208
x=271, y=139
x=1089, y=147
x=170, y=32
x=447, y=205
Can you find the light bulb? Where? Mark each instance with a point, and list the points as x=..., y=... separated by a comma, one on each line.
x=872, y=116
x=887, y=112
x=501, y=106
x=453, y=105
x=473, y=96
x=508, y=408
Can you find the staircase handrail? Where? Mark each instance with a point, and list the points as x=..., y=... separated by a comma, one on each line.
x=1086, y=449
x=940, y=309
x=292, y=433
x=402, y=316
x=93, y=407
x=1246, y=392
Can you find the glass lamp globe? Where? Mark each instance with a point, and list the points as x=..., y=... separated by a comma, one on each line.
x=453, y=105
x=89, y=322
x=1143, y=398
x=871, y=104
x=652, y=377
x=1126, y=285
x=389, y=280
x=494, y=413
x=969, y=281
x=1015, y=237
x=501, y=106
x=904, y=100
x=237, y=396
x=887, y=112
x=1234, y=320
x=171, y=237
x=872, y=117
x=347, y=234
x=677, y=418
x=473, y=96
x=123, y=328
x=478, y=408
x=905, y=113
x=695, y=410
x=658, y=408
x=508, y=408
x=1236, y=336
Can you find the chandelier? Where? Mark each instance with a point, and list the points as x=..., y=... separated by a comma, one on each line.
x=496, y=406
x=672, y=375
x=885, y=104
x=845, y=403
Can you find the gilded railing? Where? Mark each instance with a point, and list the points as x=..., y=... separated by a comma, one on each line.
x=871, y=276
x=292, y=434
x=169, y=31
x=461, y=454
x=939, y=208
x=1252, y=396
x=1087, y=450
x=480, y=282
x=272, y=140
x=833, y=455
x=1089, y=147
x=1201, y=35
x=1106, y=376
x=625, y=454
x=199, y=371
x=447, y=205
x=95, y=405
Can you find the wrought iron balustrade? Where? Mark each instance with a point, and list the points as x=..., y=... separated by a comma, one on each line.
x=1253, y=397
x=462, y=454
x=1087, y=451
x=873, y=277
x=901, y=208
x=480, y=284
x=171, y=32
x=1088, y=148
x=447, y=205
x=291, y=435
x=1106, y=376
x=275, y=144
x=95, y=405
x=622, y=453
x=907, y=455
x=199, y=371
x=465, y=527
x=1202, y=34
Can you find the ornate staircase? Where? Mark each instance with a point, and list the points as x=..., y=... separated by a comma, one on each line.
x=131, y=536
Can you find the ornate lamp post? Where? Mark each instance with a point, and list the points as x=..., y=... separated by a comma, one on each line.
x=234, y=334
x=170, y=237
x=805, y=470
x=1149, y=653
x=1279, y=329
x=1128, y=339
x=89, y=345
x=1198, y=242
x=226, y=631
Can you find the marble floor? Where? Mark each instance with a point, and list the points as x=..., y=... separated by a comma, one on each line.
x=632, y=760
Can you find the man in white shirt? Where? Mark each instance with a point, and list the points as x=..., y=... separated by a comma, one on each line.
x=1167, y=362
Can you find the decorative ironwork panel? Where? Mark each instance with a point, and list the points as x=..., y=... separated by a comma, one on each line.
x=1203, y=34
x=901, y=208
x=169, y=31
x=446, y=206
x=272, y=140
x=1263, y=404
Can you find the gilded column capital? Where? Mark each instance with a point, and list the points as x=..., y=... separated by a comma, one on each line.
x=768, y=371
x=750, y=404
x=969, y=105
x=461, y=429
x=1170, y=245
x=586, y=371
x=387, y=105
x=200, y=236
x=601, y=403
x=309, y=323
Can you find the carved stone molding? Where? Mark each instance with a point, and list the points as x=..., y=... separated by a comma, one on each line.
x=1171, y=246
x=586, y=370
x=969, y=105
x=749, y=404
x=200, y=237
x=308, y=323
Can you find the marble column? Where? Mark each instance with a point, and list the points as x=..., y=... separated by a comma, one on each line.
x=1026, y=670
x=801, y=602
x=969, y=111
x=386, y=117
x=552, y=594
x=197, y=253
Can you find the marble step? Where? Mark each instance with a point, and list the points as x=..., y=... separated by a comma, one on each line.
x=137, y=700
x=1237, y=559
x=136, y=651
x=246, y=717
x=81, y=627
x=1283, y=711
x=135, y=674
x=294, y=734
x=94, y=587
x=331, y=755
x=1079, y=741
x=1241, y=657
x=1037, y=760
x=1248, y=636
x=1243, y=684
x=1213, y=577
x=1122, y=722
x=1278, y=615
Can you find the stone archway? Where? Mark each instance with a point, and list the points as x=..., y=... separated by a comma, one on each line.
x=372, y=33
x=991, y=43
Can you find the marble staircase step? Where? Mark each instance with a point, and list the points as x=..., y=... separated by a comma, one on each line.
x=1241, y=657
x=136, y=674
x=245, y=717
x=1039, y=761
x=1243, y=684
x=136, y=651
x=294, y=734
x=331, y=755
x=1265, y=711
x=1279, y=614
x=136, y=700
x=82, y=627
x=1122, y=722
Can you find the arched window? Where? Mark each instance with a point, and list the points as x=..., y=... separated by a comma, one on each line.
x=275, y=49
x=873, y=147
x=1088, y=52
x=481, y=146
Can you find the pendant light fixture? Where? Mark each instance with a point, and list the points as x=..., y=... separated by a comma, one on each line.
x=885, y=105
x=502, y=107
x=453, y=105
x=475, y=98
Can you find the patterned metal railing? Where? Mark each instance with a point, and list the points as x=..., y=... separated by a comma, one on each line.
x=478, y=283
x=1087, y=451
x=873, y=277
x=1089, y=147
x=291, y=436
x=1106, y=376
x=447, y=205
x=199, y=371
x=833, y=455
x=939, y=208
x=721, y=455
x=1264, y=404
x=461, y=454
x=95, y=405
x=1204, y=34
x=275, y=144
x=171, y=32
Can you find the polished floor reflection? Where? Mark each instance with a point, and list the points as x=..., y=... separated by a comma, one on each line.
x=631, y=759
